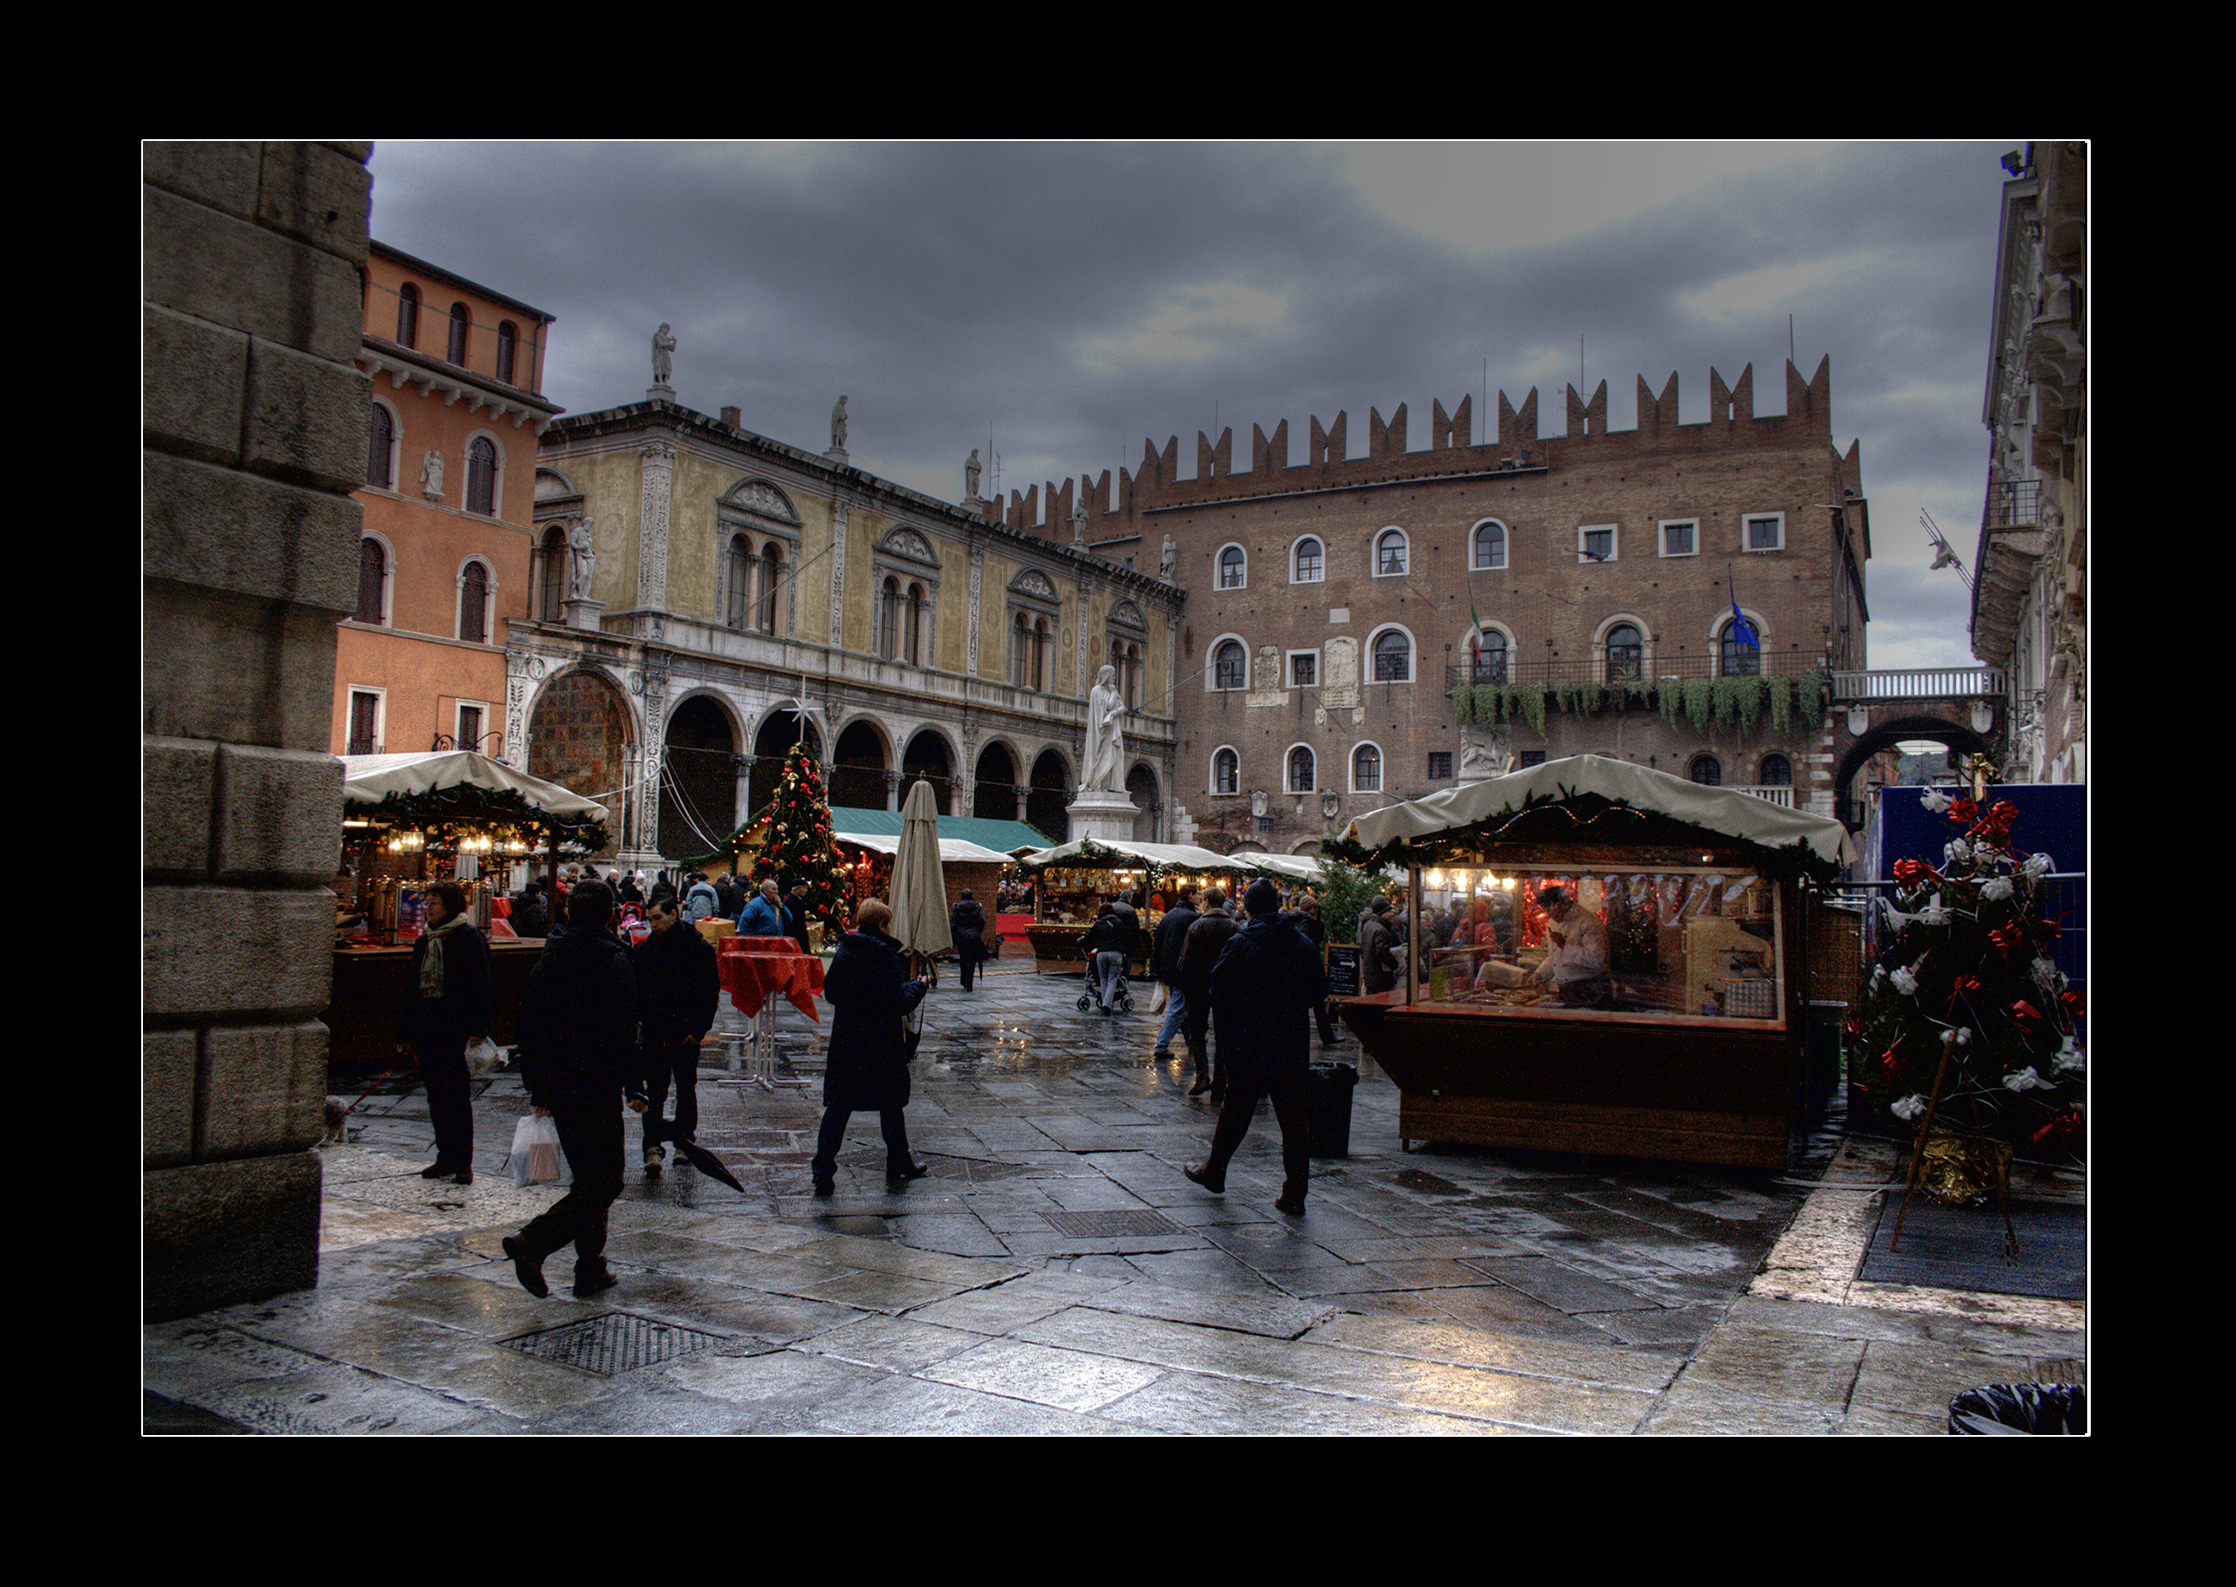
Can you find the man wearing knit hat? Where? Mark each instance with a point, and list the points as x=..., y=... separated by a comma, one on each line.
x=1263, y=990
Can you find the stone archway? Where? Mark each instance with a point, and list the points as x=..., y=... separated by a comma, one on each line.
x=858, y=769
x=579, y=735
x=779, y=731
x=994, y=798
x=699, y=793
x=1141, y=788
x=1888, y=728
x=1045, y=804
x=928, y=757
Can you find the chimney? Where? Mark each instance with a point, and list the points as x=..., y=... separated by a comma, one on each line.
x=730, y=417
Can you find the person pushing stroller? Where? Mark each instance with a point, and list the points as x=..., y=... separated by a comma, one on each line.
x=1107, y=947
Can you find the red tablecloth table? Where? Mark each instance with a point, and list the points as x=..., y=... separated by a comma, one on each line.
x=754, y=969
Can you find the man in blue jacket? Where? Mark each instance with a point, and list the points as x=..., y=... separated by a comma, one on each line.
x=761, y=916
x=1263, y=991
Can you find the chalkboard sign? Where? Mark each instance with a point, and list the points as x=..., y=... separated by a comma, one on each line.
x=1343, y=971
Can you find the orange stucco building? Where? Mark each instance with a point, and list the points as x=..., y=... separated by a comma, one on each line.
x=448, y=509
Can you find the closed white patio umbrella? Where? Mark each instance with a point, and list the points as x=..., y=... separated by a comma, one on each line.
x=919, y=895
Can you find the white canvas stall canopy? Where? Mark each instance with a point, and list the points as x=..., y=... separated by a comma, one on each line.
x=1164, y=856
x=951, y=850
x=1824, y=844
x=374, y=779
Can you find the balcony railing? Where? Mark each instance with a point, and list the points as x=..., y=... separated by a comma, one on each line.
x=1780, y=794
x=1918, y=683
x=2012, y=504
x=1770, y=664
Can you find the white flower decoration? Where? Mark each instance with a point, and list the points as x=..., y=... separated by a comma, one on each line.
x=1908, y=1108
x=2048, y=976
x=1996, y=889
x=2026, y=1080
x=2070, y=1056
x=1955, y=851
x=2036, y=865
x=1964, y=1037
x=1935, y=912
x=1905, y=982
x=1934, y=800
x=1879, y=971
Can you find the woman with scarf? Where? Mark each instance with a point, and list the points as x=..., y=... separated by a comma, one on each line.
x=446, y=1007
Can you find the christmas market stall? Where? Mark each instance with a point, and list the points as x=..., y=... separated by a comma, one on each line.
x=412, y=820
x=1072, y=882
x=1624, y=966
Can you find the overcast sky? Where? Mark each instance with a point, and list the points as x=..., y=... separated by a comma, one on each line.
x=1072, y=300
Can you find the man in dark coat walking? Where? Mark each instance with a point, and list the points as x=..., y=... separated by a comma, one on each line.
x=679, y=991
x=448, y=1000
x=794, y=915
x=1164, y=962
x=870, y=994
x=1262, y=992
x=966, y=923
x=1199, y=951
x=578, y=1026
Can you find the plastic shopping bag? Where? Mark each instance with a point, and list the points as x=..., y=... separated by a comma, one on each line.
x=536, y=1158
x=484, y=1057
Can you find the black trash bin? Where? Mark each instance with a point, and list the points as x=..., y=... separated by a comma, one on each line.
x=1332, y=1085
x=2024, y=1408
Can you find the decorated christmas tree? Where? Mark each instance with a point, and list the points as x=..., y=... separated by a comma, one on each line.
x=798, y=844
x=1968, y=1022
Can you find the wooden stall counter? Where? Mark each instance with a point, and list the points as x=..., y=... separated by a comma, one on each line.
x=1056, y=949
x=369, y=989
x=1627, y=1085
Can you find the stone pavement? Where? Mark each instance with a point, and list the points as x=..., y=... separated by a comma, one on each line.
x=1056, y=1274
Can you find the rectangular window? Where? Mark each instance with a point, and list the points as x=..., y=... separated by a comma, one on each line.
x=364, y=723
x=1440, y=764
x=1767, y=533
x=1533, y=757
x=1304, y=669
x=1595, y=543
x=1680, y=537
x=469, y=729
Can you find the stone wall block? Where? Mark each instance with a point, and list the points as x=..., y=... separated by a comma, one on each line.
x=235, y=273
x=217, y=952
x=266, y=1090
x=218, y=1234
x=279, y=813
x=224, y=530
x=307, y=420
x=319, y=195
x=221, y=175
x=228, y=667
x=178, y=781
x=167, y=1097
x=193, y=382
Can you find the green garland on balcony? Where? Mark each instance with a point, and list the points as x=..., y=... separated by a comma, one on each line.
x=1780, y=690
x=1700, y=703
x=1669, y=694
x=1490, y=704
x=1530, y=699
x=1816, y=695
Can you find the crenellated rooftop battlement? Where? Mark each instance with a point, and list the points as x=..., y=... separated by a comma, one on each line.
x=1157, y=486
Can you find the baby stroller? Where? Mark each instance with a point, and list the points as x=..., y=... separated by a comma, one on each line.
x=1112, y=932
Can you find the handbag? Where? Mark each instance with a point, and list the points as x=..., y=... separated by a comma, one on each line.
x=1157, y=1002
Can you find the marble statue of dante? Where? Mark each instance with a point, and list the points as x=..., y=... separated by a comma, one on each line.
x=431, y=476
x=1168, y=560
x=838, y=426
x=1106, y=747
x=970, y=476
x=663, y=360
x=582, y=559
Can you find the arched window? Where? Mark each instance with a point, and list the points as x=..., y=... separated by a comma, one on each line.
x=1389, y=553
x=461, y=321
x=1775, y=772
x=1226, y=772
x=1366, y=769
x=473, y=604
x=1735, y=657
x=772, y=575
x=481, y=476
x=1233, y=568
x=372, y=581
x=407, y=316
x=1230, y=666
x=1707, y=771
x=380, y=465
x=912, y=651
x=508, y=340
x=1393, y=657
x=1021, y=653
x=1041, y=642
x=1489, y=662
x=1489, y=546
x=551, y=590
x=1311, y=563
x=1626, y=653
x=1300, y=769
x=889, y=620
x=739, y=606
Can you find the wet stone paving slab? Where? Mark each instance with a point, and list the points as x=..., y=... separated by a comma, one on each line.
x=1054, y=1273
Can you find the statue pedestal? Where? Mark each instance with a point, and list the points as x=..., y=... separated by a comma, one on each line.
x=1102, y=815
x=660, y=391
x=582, y=612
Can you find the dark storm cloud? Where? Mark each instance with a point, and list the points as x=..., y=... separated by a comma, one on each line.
x=1075, y=299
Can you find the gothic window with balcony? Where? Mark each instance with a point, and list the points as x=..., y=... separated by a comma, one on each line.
x=1393, y=657
x=1488, y=664
x=1626, y=653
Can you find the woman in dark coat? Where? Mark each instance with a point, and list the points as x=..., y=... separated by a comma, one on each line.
x=870, y=994
x=967, y=925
